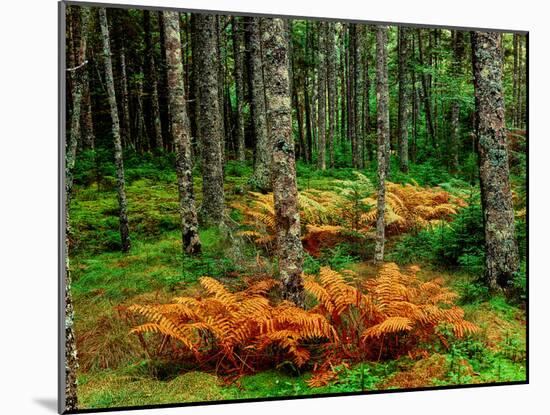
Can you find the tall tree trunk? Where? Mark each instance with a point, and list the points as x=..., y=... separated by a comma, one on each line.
x=358, y=96
x=87, y=120
x=426, y=91
x=521, y=79
x=285, y=191
x=262, y=153
x=181, y=134
x=219, y=50
x=151, y=83
x=239, y=85
x=322, y=97
x=210, y=121
x=126, y=135
x=366, y=99
x=162, y=89
x=121, y=192
x=403, y=111
x=78, y=75
x=514, y=112
x=501, y=251
x=383, y=132
x=331, y=86
x=458, y=52
x=307, y=95
x=343, y=87
x=350, y=55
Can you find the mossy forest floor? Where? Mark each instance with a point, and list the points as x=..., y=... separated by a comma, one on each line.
x=116, y=371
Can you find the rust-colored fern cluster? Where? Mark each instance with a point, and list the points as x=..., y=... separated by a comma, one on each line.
x=235, y=330
x=328, y=216
x=347, y=319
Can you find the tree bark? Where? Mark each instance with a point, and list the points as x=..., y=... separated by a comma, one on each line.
x=383, y=130
x=78, y=77
x=321, y=100
x=426, y=91
x=458, y=56
x=262, y=152
x=121, y=192
x=210, y=121
x=331, y=86
x=358, y=96
x=181, y=134
x=352, y=134
x=126, y=134
x=151, y=82
x=403, y=110
x=501, y=252
x=239, y=86
x=285, y=191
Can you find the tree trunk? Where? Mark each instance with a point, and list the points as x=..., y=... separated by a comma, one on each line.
x=426, y=92
x=322, y=97
x=181, y=134
x=350, y=55
x=515, y=81
x=358, y=96
x=383, y=131
x=403, y=111
x=121, y=192
x=285, y=191
x=262, y=153
x=458, y=52
x=78, y=77
x=126, y=135
x=331, y=86
x=151, y=83
x=239, y=85
x=210, y=121
x=366, y=100
x=501, y=252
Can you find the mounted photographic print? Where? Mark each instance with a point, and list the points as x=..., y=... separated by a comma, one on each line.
x=271, y=207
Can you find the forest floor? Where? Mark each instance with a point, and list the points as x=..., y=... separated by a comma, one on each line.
x=115, y=369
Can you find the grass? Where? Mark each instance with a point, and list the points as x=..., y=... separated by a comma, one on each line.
x=114, y=369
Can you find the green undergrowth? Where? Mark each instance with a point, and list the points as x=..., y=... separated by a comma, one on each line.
x=114, y=368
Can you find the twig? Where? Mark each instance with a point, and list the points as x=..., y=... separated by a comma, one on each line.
x=77, y=67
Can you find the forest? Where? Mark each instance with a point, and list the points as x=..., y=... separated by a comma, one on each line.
x=270, y=207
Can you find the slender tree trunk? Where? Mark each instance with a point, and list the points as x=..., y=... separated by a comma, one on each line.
x=239, y=85
x=501, y=252
x=210, y=121
x=351, y=92
x=331, y=89
x=426, y=92
x=181, y=134
x=383, y=130
x=321, y=101
x=121, y=192
x=520, y=114
x=343, y=88
x=151, y=83
x=403, y=111
x=285, y=191
x=458, y=52
x=87, y=120
x=78, y=77
x=225, y=116
x=366, y=100
x=307, y=96
x=358, y=96
x=515, y=81
x=126, y=134
x=162, y=89
x=262, y=151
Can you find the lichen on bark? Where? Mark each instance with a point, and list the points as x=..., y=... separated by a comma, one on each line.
x=283, y=167
x=501, y=252
x=181, y=135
